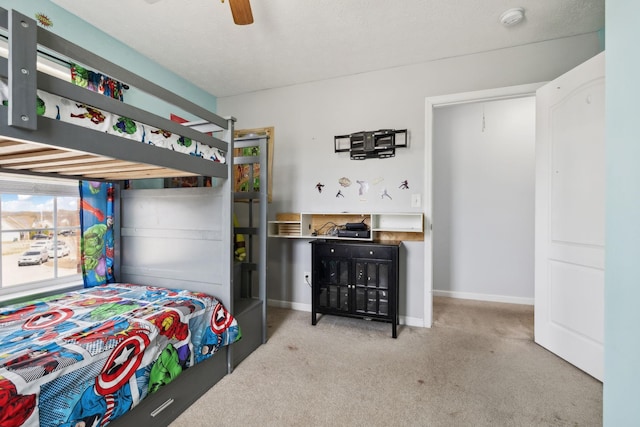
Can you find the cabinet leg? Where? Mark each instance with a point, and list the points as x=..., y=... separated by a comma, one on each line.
x=394, y=330
x=313, y=318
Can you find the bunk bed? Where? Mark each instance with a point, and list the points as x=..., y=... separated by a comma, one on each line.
x=250, y=209
x=191, y=258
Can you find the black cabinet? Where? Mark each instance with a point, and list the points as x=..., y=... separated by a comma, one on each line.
x=355, y=279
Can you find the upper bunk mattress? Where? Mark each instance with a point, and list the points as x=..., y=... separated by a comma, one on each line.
x=91, y=355
x=66, y=110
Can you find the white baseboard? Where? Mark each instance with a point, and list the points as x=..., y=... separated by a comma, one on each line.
x=408, y=321
x=412, y=321
x=484, y=297
x=290, y=305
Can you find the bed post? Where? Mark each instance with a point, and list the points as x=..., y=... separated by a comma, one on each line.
x=228, y=195
x=264, y=202
x=22, y=71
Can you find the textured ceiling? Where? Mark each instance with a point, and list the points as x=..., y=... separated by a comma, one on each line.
x=296, y=41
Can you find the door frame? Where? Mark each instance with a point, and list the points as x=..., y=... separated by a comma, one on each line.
x=431, y=103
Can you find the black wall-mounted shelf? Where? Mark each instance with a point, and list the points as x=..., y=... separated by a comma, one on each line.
x=377, y=144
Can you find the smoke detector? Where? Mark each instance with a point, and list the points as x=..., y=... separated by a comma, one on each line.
x=512, y=16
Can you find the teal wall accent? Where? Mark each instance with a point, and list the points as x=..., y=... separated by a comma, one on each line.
x=622, y=267
x=89, y=37
x=601, y=38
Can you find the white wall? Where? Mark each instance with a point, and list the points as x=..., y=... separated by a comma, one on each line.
x=306, y=117
x=483, y=200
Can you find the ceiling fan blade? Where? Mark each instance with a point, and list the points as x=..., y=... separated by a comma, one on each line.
x=241, y=11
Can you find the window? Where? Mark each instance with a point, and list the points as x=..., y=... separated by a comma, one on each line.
x=40, y=232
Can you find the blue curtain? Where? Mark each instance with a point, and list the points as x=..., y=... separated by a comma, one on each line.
x=96, y=222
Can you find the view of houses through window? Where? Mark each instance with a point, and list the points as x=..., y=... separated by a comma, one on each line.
x=40, y=232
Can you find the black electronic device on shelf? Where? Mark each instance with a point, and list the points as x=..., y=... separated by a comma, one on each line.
x=357, y=230
x=356, y=226
x=354, y=234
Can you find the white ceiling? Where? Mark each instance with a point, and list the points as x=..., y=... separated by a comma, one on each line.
x=298, y=41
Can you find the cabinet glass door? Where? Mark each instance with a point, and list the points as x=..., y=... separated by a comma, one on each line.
x=372, y=287
x=333, y=278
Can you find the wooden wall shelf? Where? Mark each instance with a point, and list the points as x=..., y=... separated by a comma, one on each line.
x=382, y=226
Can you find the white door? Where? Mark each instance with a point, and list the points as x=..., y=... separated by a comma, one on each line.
x=570, y=204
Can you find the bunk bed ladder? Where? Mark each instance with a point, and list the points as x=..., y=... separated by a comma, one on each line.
x=251, y=309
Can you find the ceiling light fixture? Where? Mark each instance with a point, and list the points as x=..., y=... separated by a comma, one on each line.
x=512, y=16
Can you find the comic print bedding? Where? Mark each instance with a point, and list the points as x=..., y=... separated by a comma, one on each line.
x=88, y=356
x=66, y=110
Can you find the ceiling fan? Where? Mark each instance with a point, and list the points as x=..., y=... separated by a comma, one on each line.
x=240, y=9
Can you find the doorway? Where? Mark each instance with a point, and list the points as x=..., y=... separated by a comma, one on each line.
x=483, y=200
x=475, y=218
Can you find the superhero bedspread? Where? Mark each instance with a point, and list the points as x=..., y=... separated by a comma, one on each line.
x=66, y=110
x=87, y=357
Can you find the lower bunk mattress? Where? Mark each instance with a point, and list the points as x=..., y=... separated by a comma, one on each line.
x=87, y=357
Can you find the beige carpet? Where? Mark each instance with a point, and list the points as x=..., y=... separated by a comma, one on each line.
x=477, y=366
